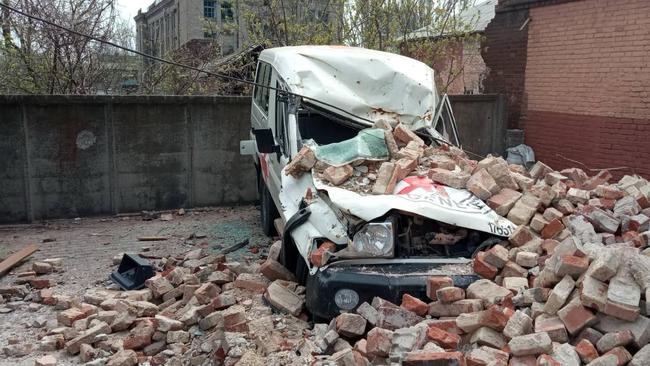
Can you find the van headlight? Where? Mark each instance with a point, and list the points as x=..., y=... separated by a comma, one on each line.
x=375, y=239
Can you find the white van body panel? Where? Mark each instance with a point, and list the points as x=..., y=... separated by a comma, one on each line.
x=366, y=83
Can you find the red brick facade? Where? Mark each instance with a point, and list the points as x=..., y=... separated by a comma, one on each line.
x=504, y=52
x=596, y=141
x=458, y=65
x=584, y=90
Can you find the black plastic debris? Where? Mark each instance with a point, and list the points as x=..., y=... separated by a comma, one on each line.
x=132, y=272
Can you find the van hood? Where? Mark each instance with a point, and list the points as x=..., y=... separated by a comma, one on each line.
x=422, y=196
x=370, y=84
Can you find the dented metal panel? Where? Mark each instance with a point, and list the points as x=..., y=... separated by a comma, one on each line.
x=370, y=84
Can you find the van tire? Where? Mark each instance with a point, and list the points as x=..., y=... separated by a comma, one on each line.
x=268, y=210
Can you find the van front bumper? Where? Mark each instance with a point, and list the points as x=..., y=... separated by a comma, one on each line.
x=388, y=279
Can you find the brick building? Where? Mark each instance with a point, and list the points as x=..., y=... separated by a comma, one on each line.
x=577, y=78
x=459, y=67
x=167, y=25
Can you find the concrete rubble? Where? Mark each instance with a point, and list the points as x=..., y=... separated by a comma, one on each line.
x=570, y=286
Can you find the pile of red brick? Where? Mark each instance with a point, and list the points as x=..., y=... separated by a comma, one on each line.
x=570, y=286
x=199, y=308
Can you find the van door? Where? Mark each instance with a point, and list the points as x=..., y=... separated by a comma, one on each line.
x=278, y=120
x=260, y=105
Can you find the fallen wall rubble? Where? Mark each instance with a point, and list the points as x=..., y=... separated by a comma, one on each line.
x=569, y=287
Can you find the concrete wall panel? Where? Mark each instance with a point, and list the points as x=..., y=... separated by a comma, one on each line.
x=151, y=155
x=13, y=203
x=69, y=156
x=68, y=169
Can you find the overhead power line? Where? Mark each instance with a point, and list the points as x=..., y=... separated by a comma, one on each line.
x=189, y=67
x=174, y=63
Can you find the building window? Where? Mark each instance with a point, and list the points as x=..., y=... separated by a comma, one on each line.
x=227, y=14
x=209, y=8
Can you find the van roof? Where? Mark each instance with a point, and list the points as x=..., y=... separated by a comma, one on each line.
x=367, y=83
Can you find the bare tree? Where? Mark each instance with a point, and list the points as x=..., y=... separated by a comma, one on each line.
x=39, y=58
x=294, y=22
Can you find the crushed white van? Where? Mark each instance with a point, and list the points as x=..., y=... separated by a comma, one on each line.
x=332, y=102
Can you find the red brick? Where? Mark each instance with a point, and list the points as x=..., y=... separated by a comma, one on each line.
x=503, y=201
x=320, y=256
x=47, y=297
x=521, y=236
x=572, y=265
x=512, y=269
x=140, y=336
x=435, y=283
x=483, y=268
x=40, y=283
x=552, y=229
x=523, y=361
x=425, y=358
x=621, y=354
x=444, y=339
x=414, y=304
x=448, y=325
x=450, y=294
x=379, y=342
x=455, y=179
x=546, y=360
x=576, y=317
x=586, y=351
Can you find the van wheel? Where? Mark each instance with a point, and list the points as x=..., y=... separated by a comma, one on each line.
x=268, y=210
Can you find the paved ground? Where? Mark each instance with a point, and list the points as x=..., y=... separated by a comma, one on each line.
x=88, y=245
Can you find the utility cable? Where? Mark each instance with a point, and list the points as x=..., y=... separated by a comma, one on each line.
x=210, y=73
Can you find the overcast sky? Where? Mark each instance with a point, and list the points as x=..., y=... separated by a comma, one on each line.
x=129, y=8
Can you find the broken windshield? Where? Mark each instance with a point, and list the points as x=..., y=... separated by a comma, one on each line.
x=369, y=144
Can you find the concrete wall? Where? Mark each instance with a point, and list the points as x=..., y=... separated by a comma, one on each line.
x=69, y=156
x=73, y=156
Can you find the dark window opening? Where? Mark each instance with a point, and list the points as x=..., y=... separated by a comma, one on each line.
x=209, y=8
x=227, y=14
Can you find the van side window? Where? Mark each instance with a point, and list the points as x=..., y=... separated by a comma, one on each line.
x=261, y=94
x=280, y=120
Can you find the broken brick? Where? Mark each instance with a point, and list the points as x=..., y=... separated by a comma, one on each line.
x=337, y=175
x=482, y=185
x=434, y=283
x=443, y=338
x=302, y=162
x=503, y=201
x=319, y=256
x=386, y=179
x=454, y=179
x=450, y=294
x=482, y=268
x=350, y=325
x=414, y=304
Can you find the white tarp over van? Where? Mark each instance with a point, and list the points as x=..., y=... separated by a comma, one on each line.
x=421, y=196
x=370, y=84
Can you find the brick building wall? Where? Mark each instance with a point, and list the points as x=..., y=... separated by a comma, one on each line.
x=458, y=65
x=584, y=91
x=504, y=53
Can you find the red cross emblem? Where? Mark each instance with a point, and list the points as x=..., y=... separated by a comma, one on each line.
x=424, y=183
